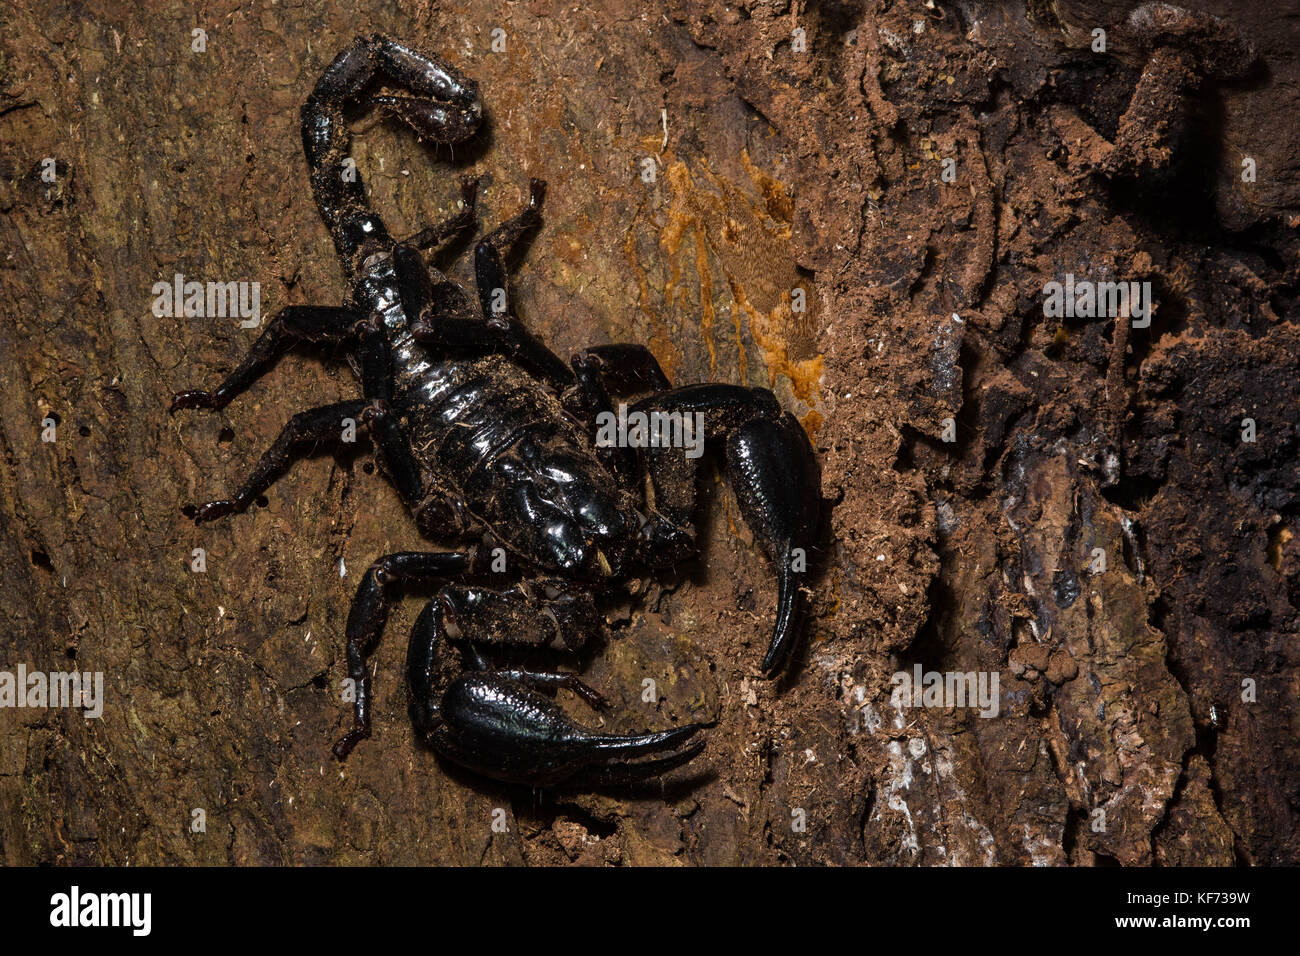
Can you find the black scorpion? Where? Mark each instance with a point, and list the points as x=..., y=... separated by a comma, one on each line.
x=488, y=438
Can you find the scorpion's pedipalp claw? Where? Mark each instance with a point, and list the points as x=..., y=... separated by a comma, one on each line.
x=637, y=745
x=552, y=681
x=500, y=728
x=641, y=770
x=785, y=630
x=771, y=465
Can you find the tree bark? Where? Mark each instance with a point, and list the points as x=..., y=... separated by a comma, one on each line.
x=760, y=195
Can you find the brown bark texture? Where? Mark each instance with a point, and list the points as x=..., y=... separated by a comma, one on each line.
x=1104, y=531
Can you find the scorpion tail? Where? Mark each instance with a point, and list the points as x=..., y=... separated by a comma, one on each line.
x=445, y=107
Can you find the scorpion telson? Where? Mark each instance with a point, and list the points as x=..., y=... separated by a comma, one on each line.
x=488, y=438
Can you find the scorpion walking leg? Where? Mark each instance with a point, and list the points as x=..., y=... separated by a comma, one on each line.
x=394, y=449
x=494, y=722
x=770, y=465
x=465, y=219
x=441, y=309
x=502, y=239
x=289, y=326
x=494, y=297
x=441, y=312
x=303, y=430
x=374, y=357
x=369, y=612
x=392, y=444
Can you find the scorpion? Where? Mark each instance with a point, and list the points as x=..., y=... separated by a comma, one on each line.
x=488, y=438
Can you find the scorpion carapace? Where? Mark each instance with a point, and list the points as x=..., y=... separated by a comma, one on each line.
x=488, y=438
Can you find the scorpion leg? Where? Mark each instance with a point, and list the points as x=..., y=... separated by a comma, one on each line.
x=394, y=449
x=465, y=219
x=392, y=444
x=494, y=722
x=443, y=315
x=494, y=297
x=289, y=326
x=319, y=324
x=369, y=612
x=769, y=463
x=304, y=429
x=502, y=239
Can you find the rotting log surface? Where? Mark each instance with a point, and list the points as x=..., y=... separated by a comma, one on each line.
x=776, y=168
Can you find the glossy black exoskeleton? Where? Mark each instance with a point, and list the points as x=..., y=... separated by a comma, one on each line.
x=489, y=438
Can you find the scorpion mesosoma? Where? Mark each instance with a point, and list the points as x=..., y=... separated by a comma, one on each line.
x=488, y=438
